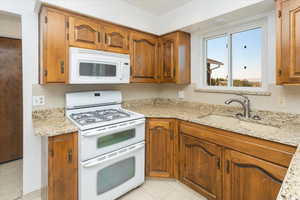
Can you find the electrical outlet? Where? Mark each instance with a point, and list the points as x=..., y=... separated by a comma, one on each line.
x=181, y=94
x=38, y=100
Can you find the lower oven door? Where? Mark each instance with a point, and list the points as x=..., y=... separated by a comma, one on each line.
x=110, y=176
x=98, y=142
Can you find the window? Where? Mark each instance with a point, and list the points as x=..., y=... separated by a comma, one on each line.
x=234, y=59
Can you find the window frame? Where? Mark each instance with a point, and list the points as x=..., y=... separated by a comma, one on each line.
x=227, y=32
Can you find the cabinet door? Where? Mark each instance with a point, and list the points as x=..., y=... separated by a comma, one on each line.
x=250, y=178
x=160, y=148
x=53, y=47
x=84, y=33
x=144, y=55
x=116, y=39
x=62, y=167
x=168, y=59
x=200, y=166
x=288, y=60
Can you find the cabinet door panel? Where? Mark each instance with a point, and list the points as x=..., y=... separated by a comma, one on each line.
x=62, y=170
x=116, y=39
x=168, y=60
x=160, y=148
x=53, y=48
x=84, y=33
x=143, y=58
x=288, y=42
x=250, y=178
x=201, y=166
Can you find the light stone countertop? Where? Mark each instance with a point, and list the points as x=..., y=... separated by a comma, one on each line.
x=274, y=126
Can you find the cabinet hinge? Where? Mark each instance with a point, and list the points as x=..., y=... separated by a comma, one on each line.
x=46, y=19
x=279, y=13
x=67, y=24
x=67, y=36
x=280, y=72
x=45, y=72
x=51, y=153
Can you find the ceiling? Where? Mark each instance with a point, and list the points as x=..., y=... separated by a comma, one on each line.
x=157, y=7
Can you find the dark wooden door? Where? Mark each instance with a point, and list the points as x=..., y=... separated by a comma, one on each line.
x=200, y=166
x=168, y=58
x=288, y=48
x=10, y=99
x=116, y=39
x=160, y=148
x=63, y=167
x=144, y=55
x=250, y=178
x=84, y=33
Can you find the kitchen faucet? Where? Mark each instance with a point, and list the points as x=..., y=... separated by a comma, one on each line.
x=245, y=102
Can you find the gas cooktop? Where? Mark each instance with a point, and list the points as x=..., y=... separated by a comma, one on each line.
x=91, y=117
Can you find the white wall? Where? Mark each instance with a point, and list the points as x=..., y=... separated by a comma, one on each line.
x=10, y=26
x=117, y=11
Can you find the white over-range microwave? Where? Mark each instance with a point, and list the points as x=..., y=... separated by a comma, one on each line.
x=98, y=67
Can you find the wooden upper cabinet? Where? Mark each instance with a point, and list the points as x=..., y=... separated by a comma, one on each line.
x=144, y=55
x=115, y=39
x=288, y=42
x=84, y=33
x=53, y=46
x=250, y=178
x=160, y=148
x=175, y=58
x=200, y=166
x=63, y=167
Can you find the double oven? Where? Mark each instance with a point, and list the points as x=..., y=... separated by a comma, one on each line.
x=111, y=153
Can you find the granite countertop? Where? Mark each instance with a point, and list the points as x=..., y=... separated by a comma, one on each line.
x=274, y=126
x=52, y=122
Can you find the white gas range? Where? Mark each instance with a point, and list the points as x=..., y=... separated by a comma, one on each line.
x=111, y=144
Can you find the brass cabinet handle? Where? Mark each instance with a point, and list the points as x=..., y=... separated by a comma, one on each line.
x=70, y=156
x=218, y=163
x=228, y=166
x=62, y=67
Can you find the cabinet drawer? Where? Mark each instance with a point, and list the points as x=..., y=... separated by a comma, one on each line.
x=271, y=151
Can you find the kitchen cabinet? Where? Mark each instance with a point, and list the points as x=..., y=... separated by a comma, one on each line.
x=62, y=167
x=115, y=39
x=250, y=178
x=144, y=55
x=288, y=42
x=175, y=58
x=160, y=148
x=53, y=46
x=84, y=33
x=200, y=166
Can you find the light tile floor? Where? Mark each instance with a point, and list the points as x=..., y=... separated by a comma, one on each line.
x=157, y=189
x=11, y=180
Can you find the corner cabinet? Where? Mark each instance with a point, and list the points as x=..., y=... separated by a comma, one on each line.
x=144, y=58
x=250, y=178
x=175, y=58
x=53, y=46
x=288, y=42
x=62, y=167
x=200, y=166
x=160, y=148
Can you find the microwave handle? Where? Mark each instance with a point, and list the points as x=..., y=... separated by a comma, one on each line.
x=121, y=127
x=118, y=154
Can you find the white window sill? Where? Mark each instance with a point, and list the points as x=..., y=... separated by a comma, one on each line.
x=234, y=91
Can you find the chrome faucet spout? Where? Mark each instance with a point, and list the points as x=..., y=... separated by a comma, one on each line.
x=245, y=103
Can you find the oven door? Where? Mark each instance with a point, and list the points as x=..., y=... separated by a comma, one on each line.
x=112, y=175
x=97, y=142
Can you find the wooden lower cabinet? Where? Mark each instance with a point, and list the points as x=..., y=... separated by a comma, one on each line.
x=62, y=167
x=250, y=178
x=200, y=166
x=160, y=148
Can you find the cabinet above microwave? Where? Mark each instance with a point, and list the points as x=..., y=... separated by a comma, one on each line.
x=152, y=59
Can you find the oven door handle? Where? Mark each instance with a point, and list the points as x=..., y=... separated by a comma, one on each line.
x=114, y=128
x=115, y=155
